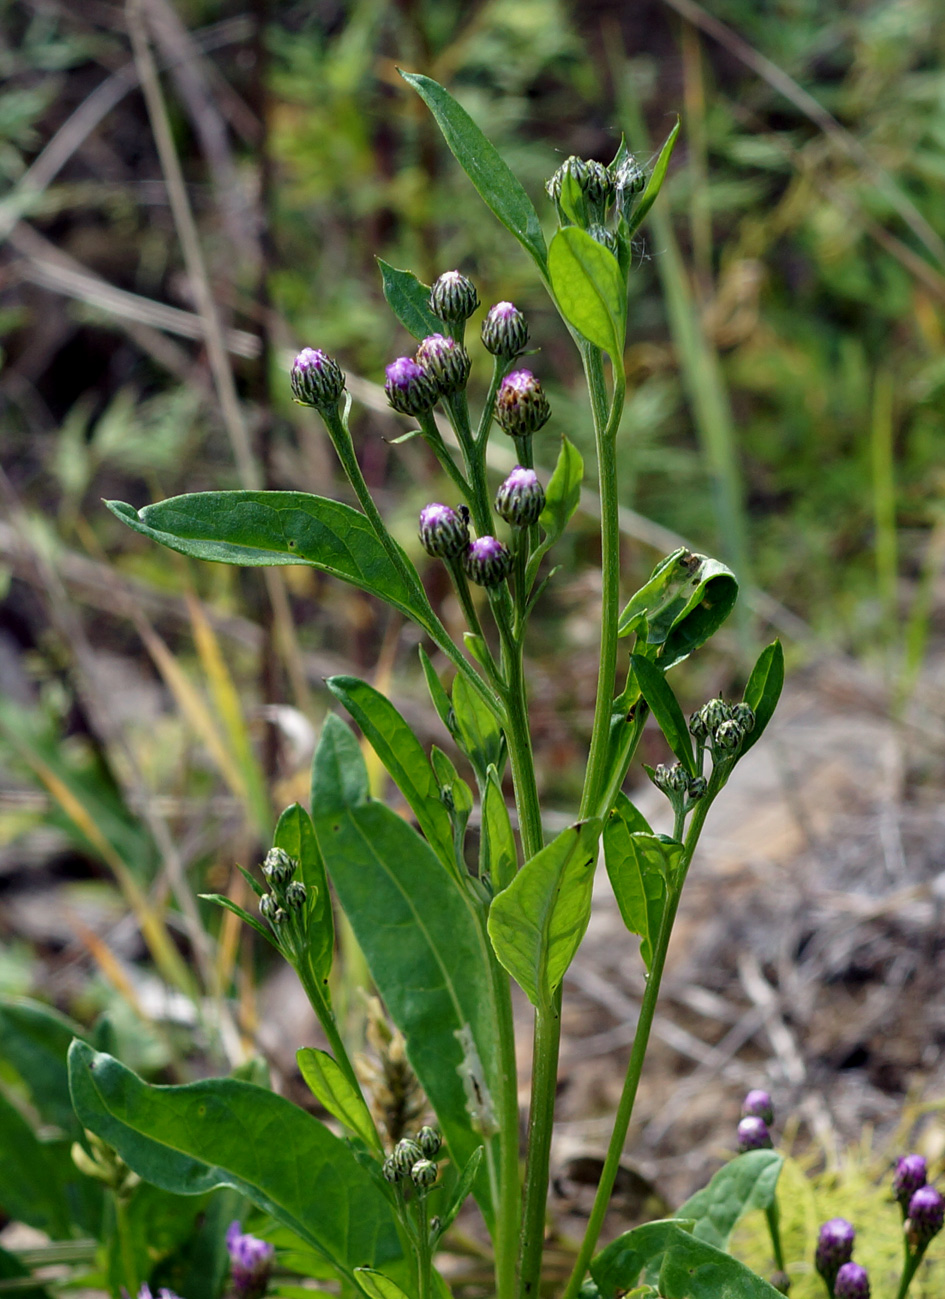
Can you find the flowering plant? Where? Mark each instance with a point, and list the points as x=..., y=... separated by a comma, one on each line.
x=444, y=935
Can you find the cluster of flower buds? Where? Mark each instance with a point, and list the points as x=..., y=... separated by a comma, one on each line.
x=677, y=784
x=620, y=184
x=754, y=1126
x=288, y=894
x=250, y=1262
x=414, y=1158
x=722, y=727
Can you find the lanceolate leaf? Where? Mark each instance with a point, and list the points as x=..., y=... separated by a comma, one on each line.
x=34, y=1040
x=685, y=601
x=259, y=529
x=537, y=923
x=31, y=1189
x=221, y=1132
x=295, y=835
x=377, y=1286
x=339, y=775
x=748, y=1181
x=409, y=300
x=481, y=162
x=764, y=690
x=655, y=183
x=329, y=1084
x=402, y=754
x=476, y=729
x=563, y=493
x=590, y=289
x=639, y=867
x=501, y=860
x=665, y=708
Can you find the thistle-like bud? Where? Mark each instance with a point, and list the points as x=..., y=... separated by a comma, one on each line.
x=597, y=184
x=279, y=867
x=392, y=1170
x=759, y=1104
x=834, y=1248
x=453, y=298
x=698, y=785
x=409, y=388
x=572, y=166
x=443, y=531
x=697, y=725
x=671, y=780
x=487, y=561
x=521, y=406
x=268, y=907
x=753, y=1134
x=295, y=895
x=429, y=1141
x=744, y=715
x=852, y=1282
x=714, y=713
x=445, y=361
x=600, y=234
x=423, y=1174
x=406, y=1153
x=317, y=379
x=250, y=1262
x=728, y=736
x=926, y=1215
x=911, y=1172
x=504, y=330
x=280, y=916
x=629, y=184
x=521, y=498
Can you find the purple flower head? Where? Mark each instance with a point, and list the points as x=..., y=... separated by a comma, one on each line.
x=521, y=498
x=487, y=561
x=250, y=1262
x=317, y=380
x=852, y=1282
x=834, y=1247
x=445, y=361
x=504, y=330
x=911, y=1173
x=758, y=1103
x=409, y=388
x=521, y=406
x=443, y=531
x=753, y=1134
x=925, y=1217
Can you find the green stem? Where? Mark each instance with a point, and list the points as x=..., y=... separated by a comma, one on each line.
x=435, y=441
x=424, y=1257
x=329, y=1027
x=499, y=370
x=509, y=1205
x=637, y=1055
x=125, y=1243
x=910, y=1266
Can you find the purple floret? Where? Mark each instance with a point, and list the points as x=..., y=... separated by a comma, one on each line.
x=250, y=1262
x=403, y=372
x=852, y=1282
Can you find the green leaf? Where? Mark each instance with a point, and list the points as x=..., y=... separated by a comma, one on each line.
x=31, y=1186
x=221, y=1132
x=377, y=1286
x=537, y=923
x=427, y=954
x=562, y=497
x=11, y=1269
x=463, y=1188
x=640, y=867
x=764, y=690
x=257, y=529
x=476, y=729
x=665, y=708
x=409, y=300
x=479, y=159
x=685, y=601
x=34, y=1040
x=329, y=1084
x=295, y=835
x=655, y=183
x=499, y=854
x=748, y=1181
x=339, y=775
x=691, y=1268
x=438, y=696
x=404, y=758
x=220, y=900
x=590, y=289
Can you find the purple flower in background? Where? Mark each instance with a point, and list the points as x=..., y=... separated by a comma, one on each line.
x=250, y=1262
x=911, y=1173
x=758, y=1104
x=753, y=1134
x=852, y=1282
x=926, y=1216
x=834, y=1248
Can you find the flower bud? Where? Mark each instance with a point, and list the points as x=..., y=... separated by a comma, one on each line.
x=744, y=715
x=598, y=184
x=601, y=235
x=392, y=1171
x=911, y=1173
x=572, y=166
x=250, y=1262
x=671, y=780
x=406, y=1153
x=852, y=1282
x=781, y=1282
x=834, y=1248
x=409, y=388
x=279, y=916
x=445, y=361
x=698, y=785
x=295, y=896
x=279, y=867
x=926, y=1215
x=521, y=406
x=728, y=736
x=697, y=725
x=487, y=561
x=714, y=713
x=504, y=330
x=758, y=1103
x=521, y=498
x=268, y=907
x=629, y=184
x=443, y=531
x=317, y=379
x=453, y=298
x=429, y=1141
x=423, y=1174
x=753, y=1134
